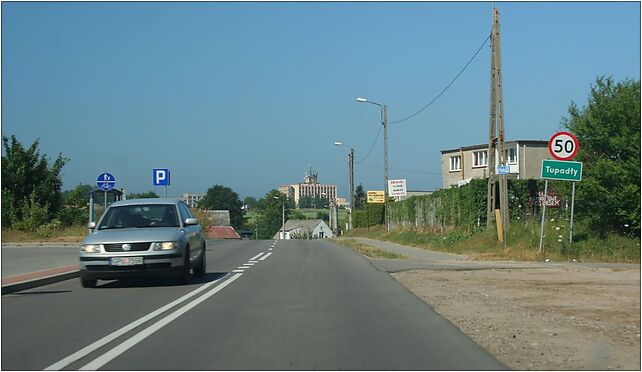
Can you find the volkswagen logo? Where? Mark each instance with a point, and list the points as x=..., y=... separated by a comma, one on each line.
x=127, y=247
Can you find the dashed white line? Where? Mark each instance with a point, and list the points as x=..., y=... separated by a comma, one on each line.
x=243, y=267
x=253, y=261
x=140, y=336
x=249, y=264
x=257, y=256
x=114, y=335
x=238, y=271
x=266, y=256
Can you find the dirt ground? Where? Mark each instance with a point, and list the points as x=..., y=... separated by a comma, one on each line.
x=557, y=318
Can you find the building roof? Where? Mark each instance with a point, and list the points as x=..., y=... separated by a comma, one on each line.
x=302, y=224
x=485, y=145
x=221, y=232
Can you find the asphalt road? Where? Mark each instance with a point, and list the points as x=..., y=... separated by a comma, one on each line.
x=300, y=305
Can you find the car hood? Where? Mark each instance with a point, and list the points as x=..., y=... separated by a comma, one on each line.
x=134, y=235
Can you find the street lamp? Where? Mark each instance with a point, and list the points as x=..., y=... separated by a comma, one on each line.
x=384, y=122
x=351, y=171
x=283, y=218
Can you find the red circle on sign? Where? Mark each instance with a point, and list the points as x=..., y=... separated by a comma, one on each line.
x=561, y=155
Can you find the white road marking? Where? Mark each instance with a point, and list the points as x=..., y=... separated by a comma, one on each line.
x=254, y=261
x=238, y=271
x=114, y=335
x=140, y=336
x=243, y=267
x=249, y=264
x=266, y=256
x=257, y=256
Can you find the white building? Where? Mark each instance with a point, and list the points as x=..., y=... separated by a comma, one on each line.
x=305, y=229
x=310, y=187
x=192, y=199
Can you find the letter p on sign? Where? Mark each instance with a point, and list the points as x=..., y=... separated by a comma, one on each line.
x=161, y=177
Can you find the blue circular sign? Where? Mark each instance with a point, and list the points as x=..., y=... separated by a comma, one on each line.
x=105, y=181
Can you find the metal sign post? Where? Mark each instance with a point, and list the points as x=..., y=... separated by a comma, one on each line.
x=541, y=233
x=570, y=236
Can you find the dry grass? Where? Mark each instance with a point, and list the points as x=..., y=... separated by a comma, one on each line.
x=369, y=251
x=62, y=235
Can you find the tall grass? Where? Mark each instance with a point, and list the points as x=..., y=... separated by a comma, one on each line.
x=522, y=243
x=70, y=234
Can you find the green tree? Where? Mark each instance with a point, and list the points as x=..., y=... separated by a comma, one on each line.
x=306, y=202
x=31, y=188
x=359, y=197
x=75, y=210
x=224, y=198
x=608, y=130
x=250, y=202
x=143, y=195
x=269, y=219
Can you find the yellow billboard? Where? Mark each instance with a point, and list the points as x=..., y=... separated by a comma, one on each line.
x=376, y=197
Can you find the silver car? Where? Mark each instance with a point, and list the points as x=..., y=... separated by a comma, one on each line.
x=142, y=237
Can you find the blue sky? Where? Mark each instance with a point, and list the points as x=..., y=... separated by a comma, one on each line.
x=247, y=95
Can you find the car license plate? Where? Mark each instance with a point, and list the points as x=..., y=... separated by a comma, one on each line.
x=126, y=261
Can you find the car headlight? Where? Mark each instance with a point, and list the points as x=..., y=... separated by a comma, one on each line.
x=91, y=248
x=164, y=246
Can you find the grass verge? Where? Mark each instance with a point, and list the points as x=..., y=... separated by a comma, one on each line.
x=369, y=251
x=522, y=243
x=71, y=234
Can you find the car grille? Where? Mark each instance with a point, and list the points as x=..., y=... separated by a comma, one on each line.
x=134, y=247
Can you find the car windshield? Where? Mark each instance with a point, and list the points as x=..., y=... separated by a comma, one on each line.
x=147, y=215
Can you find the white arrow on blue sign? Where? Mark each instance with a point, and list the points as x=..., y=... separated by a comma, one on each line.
x=105, y=181
x=161, y=176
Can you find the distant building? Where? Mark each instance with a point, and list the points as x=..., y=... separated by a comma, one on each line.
x=305, y=229
x=192, y=199
x=524, y=158
x=342, y=202
x=309, y=187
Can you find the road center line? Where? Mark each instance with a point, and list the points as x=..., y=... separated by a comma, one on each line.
x=114, y=335
x=140, y=336
x=266, y=256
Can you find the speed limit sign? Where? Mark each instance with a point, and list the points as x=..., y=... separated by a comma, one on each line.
x=563, y=146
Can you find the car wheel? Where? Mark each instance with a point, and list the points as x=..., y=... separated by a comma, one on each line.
x=88, y=283
x=200, y=270
x=184, y=276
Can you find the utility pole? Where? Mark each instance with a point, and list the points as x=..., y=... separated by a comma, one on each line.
x=351, y=168
x=384, y=113
x=497, y=184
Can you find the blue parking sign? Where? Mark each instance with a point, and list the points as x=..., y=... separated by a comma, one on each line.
x=161, y=176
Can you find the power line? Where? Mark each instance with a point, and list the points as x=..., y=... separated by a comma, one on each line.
x=446, y=88
x=372, y=146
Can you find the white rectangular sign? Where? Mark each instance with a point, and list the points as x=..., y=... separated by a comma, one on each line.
x=397, y=187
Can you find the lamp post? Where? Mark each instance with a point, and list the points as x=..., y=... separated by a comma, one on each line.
x=351, y=171
x=384, y=122
x=282, y=218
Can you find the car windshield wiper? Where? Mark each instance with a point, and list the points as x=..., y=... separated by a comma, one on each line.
x=110, y=227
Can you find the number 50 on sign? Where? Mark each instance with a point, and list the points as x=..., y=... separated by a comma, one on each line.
x=563, y=146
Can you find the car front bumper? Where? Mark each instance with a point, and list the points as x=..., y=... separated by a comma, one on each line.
x=99, y=266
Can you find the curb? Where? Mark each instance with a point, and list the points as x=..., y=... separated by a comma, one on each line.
x=34, y=280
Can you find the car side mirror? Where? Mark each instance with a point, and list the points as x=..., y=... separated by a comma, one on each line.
x=91, y=225
x=190, y=221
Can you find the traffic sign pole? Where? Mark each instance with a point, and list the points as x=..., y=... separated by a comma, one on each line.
x=541, y=233
x=570, y=237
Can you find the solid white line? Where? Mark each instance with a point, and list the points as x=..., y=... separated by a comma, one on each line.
x=140, y=336
x=112, y=336
x=266, y=256
x=255, y=257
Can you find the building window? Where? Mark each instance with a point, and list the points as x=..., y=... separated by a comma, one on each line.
x=480, y=158
x=511, y=155
x=455, y=163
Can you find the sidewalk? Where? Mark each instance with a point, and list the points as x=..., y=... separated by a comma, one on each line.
x=30, y=265
x=430, y=260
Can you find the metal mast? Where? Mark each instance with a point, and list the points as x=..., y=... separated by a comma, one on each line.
x=497, y=184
